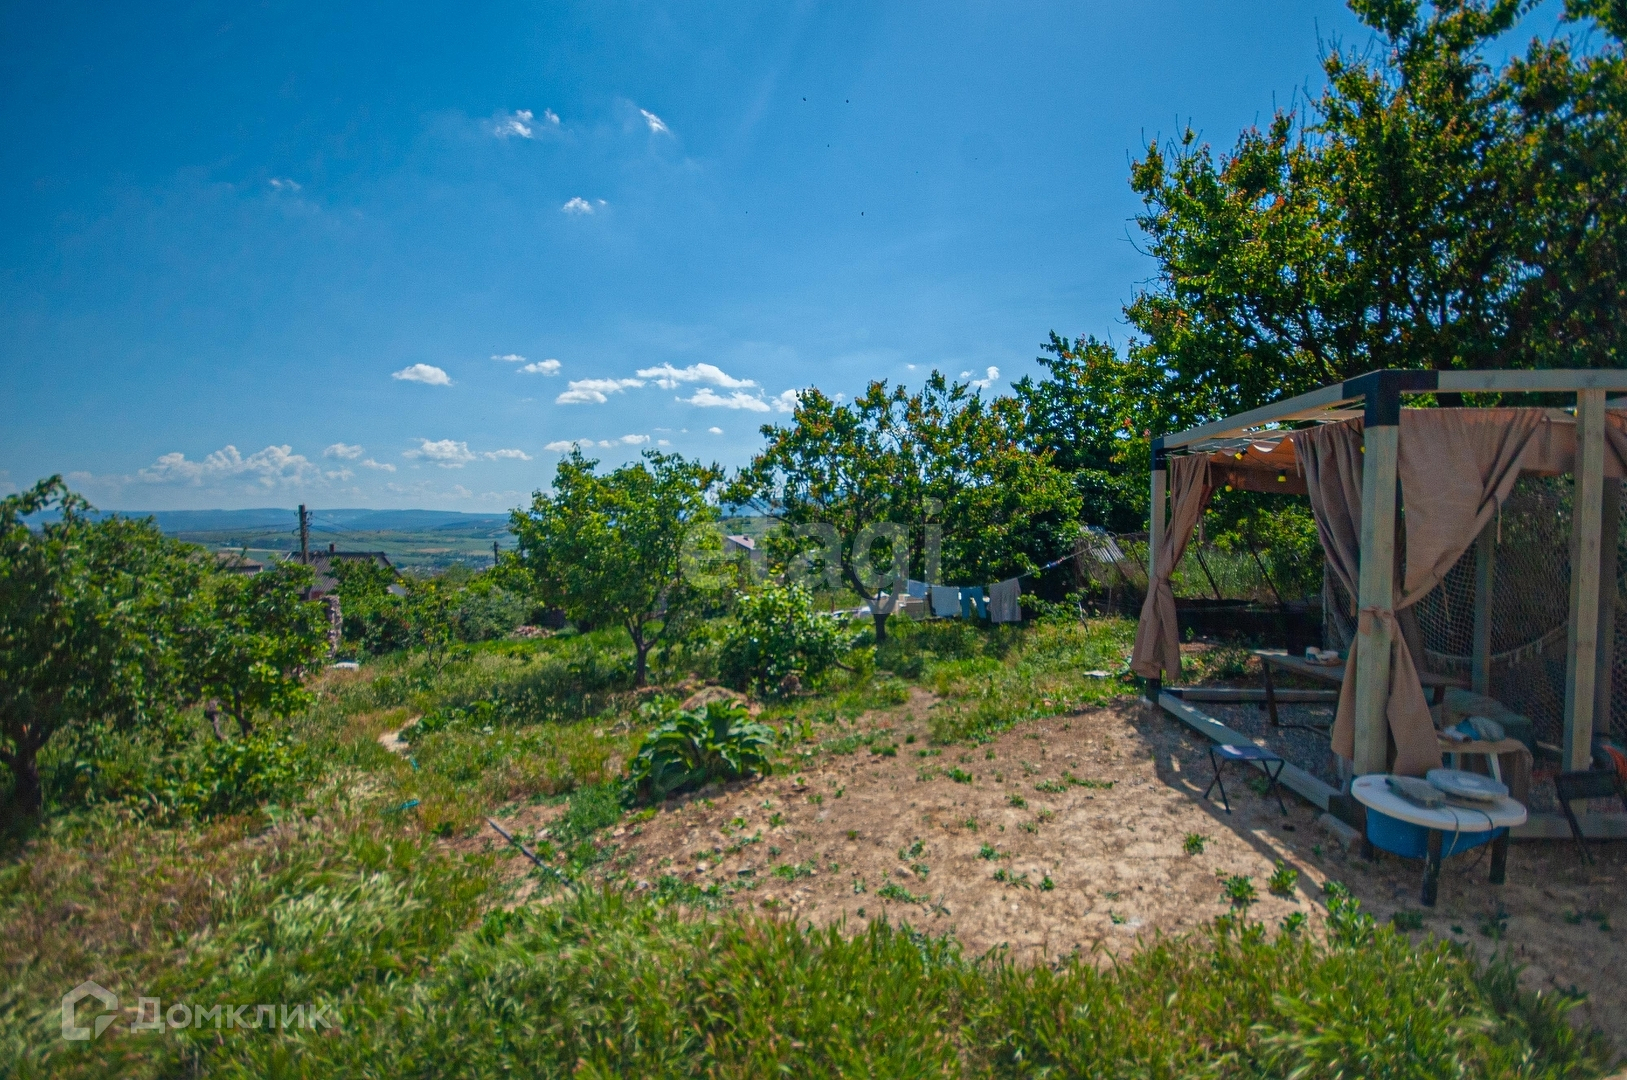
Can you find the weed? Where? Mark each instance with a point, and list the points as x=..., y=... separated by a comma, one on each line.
x=1408, y=920
x=987, y=851
x=909, y=738
x=817, y=799
x=921, y=869
x=1283, y=880
x=1495, y=925
x=792, y=871
x=1117, y=919
x=970, y=823
x=1006, y=877
x=894, y=891
x=776, y=819
x=885, y=749
x=1239, y=891
x=913, y=851
x=1193, y=843
x=1016, y=800
x=1293, y=922
x=1051, y=787
x=1046, y=884
x=960, y=776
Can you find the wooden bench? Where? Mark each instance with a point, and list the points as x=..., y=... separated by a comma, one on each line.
x=1331, y=673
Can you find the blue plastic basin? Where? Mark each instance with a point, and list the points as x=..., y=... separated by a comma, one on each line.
x=1412, y=841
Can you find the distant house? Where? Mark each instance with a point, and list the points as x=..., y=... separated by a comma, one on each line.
x=235, y=562
x=733, y=544
x=321, y=563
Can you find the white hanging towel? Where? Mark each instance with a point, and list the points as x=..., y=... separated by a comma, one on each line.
x=1005, y=601
x=946, y=601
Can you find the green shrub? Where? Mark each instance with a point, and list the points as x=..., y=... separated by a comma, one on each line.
x=689, y=748
x=777, y=634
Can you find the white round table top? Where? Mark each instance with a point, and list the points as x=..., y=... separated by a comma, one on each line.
x=1370, y=790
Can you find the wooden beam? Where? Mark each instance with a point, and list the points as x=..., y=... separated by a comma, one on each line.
x=1375, y=588
x=1609, y=539
x=1485, y=556
x=1155, y=523
x=1533, y=381
x=1582, y=648
x=1326, y=397
x=1236, y=695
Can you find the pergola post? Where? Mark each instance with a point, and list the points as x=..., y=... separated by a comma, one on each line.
x=1155, y=524
x=1485, y=555
x=1376, y=583
x=1587, y=517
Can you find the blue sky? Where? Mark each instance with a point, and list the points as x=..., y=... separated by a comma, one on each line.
x=260, y=254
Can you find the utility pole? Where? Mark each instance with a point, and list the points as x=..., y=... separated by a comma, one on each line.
x=304, y=536
x=494, y=554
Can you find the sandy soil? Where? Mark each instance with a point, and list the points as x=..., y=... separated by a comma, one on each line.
x=848, y=825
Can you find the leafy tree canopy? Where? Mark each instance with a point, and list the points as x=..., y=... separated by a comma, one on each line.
x=631, y=547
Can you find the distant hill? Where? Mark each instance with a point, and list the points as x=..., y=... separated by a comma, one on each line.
x=189, y=521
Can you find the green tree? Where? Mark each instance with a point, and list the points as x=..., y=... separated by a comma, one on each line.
x=90, y=614
x=633, y=547
x=1424, y=211
x=373, y=605
x=256, y=641
x=778, y=634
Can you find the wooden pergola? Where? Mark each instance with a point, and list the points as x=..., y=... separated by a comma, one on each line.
x=1377, y=399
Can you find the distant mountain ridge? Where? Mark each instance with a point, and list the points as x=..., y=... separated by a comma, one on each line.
x=193, y=521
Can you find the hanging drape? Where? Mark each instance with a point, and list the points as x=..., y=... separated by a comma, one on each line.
x=1157, y=651
x=1456, y=467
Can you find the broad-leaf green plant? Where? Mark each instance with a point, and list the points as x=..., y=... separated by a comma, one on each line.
x=691, y=747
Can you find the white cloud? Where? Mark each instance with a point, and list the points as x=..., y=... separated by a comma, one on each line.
x=593, y=391
x=706, y=397
x=662, y=442
x=424, y=373
x=579, y=205
x=511, y=358
x=275, y=466
x=564, y=446
x=517, y=122
x=382, y=466
x=667, y=377
x=551, y=116
x=282, y=183
x=506, y=455
x=625, y=440
x=838, y=397
x=657, y=126
x=460, y=492
x=341, y=450
x=787, y=402
x=715, y=430
x=991, y=374
x=541, y=367
x=447, y=453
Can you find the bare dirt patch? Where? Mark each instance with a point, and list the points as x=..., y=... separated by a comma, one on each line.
x=1099, y=805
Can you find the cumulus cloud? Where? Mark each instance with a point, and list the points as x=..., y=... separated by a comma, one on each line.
x=282, y=183
x=667, y=377
x=341, y=450
x=511, y=358
x=579, y=205
x=657, y=126
x=989, y=375
x=382, y=466
x=423, y=373
x=706, y=397
x=550, y=117
x=275, y=466
x=787, y=402
x=447, y=453
x=541, y=367
x=518, y=122
x=594, y=391
x=564, y=446
x=625, y=440
x=506, y=455
x=715, y=430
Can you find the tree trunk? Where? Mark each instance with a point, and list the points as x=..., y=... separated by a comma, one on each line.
x=243, y=723
x=211, y=713
x=881, y=628
x=25, y=770
x=641, y=650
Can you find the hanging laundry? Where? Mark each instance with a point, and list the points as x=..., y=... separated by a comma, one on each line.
x=1005, y=601
x=946, y=601
x=917, y=589
x=972, y=604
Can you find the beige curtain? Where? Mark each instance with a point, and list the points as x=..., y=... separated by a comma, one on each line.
x=1157, y=652
x=1456, y=466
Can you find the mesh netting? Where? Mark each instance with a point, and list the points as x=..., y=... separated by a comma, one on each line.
x=1530, y=611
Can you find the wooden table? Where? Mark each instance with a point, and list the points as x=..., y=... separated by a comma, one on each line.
x=1372, y=792
x=1332, y=673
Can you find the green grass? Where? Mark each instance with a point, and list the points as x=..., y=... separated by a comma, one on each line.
x=354, y=893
